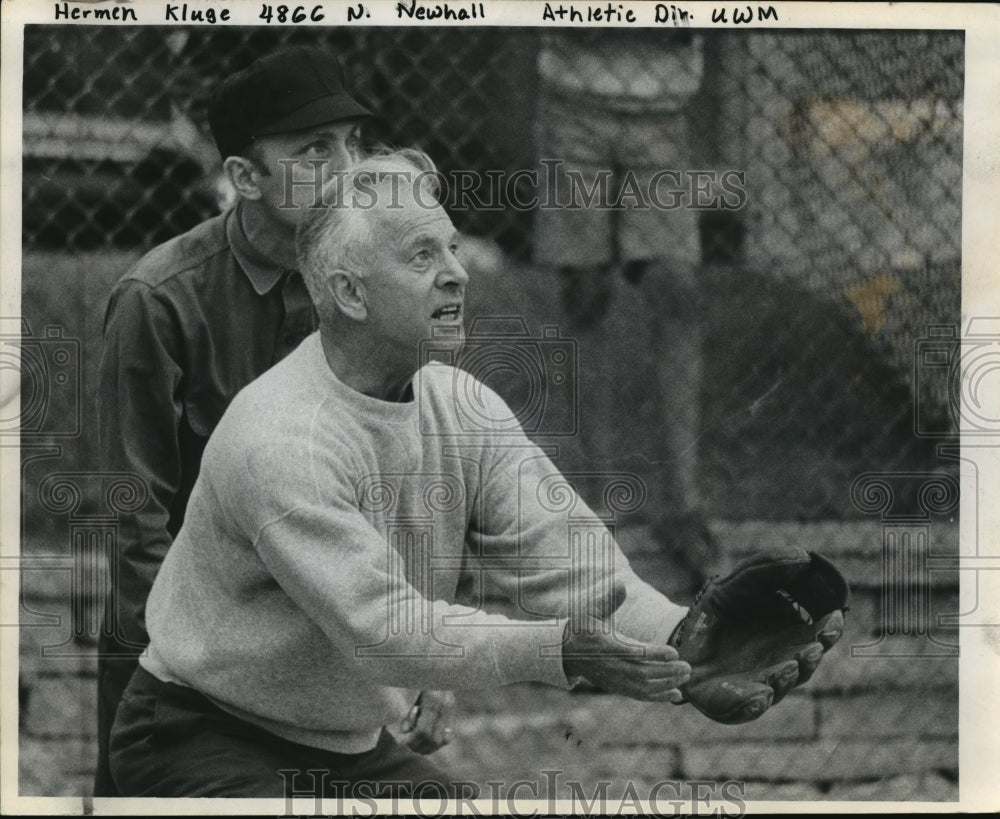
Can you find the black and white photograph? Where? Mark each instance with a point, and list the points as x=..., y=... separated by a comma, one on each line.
x=498, y=408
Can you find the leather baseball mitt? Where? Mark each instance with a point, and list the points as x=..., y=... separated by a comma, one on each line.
x=752, y=636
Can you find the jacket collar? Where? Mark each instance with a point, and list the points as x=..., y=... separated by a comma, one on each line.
x=263, y=273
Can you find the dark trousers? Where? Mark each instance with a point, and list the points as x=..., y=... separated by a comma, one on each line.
x=170, y=741
x=114, y=670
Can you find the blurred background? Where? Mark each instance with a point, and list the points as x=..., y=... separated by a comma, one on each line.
x=815, y=414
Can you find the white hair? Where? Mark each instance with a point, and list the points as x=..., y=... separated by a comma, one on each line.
x=332, y=236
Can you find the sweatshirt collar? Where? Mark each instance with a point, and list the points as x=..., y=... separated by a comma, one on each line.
x=362, y=405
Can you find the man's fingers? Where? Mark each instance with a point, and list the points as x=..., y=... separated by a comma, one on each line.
x=809, y=659
x=429, y=720
x=677, y=672
x=646, y=669
x=642, y=671
x=426, y=722
x=658, y=692
x=410, y=720
x=427, y=742
x=643, y=682
x=656, y=653
x=783, y=679
x=660, y=687
x=424, y=741
x=831, y=630
x=442, y=734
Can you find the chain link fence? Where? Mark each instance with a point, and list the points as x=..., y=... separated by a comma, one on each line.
x=812, y=296
x=117, y=150
x=847, y=247
x=851, y=141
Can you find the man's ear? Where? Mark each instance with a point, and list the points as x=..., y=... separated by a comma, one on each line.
x=244, y=175
x=347, y=292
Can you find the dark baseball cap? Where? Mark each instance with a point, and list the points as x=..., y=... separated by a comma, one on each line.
x=286, y=91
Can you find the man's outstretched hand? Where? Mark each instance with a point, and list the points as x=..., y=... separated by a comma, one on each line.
x=426, y=725
x=592, y=650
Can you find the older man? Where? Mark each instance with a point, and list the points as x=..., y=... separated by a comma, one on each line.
x=201, y=316
x=342, y=504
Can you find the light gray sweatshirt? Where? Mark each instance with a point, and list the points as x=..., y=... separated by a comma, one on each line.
x=313, y=589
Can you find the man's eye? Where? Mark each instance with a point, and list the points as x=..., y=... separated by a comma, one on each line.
x=318, y=149
x=453, y=247
x=421, y=257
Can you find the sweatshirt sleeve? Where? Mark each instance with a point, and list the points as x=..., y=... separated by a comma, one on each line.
x=566, y=556
x=342, y=572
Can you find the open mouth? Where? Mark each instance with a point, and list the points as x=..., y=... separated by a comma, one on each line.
x=451, y=313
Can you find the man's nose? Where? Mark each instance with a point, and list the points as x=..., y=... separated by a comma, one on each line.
x=452, y=273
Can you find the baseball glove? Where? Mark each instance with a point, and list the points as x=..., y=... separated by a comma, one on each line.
x=754, y=635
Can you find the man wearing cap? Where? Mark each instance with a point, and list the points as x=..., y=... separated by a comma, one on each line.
x=202, y=315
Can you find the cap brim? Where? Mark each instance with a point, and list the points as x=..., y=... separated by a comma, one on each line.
x=331, y=108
